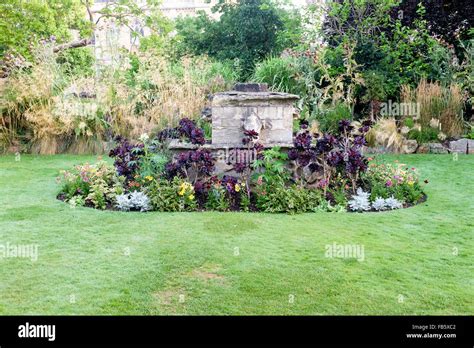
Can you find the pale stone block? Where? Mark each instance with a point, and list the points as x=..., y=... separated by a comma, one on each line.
x=231, y=110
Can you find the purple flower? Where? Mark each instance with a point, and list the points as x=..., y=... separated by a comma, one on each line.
x=228, y=182
x=304, y=124
x=303, y=141
x=359, y=140
x=292, y=154
x=345, y=126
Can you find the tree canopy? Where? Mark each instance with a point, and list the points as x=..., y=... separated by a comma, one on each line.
x=247, y=32
x=24, y=23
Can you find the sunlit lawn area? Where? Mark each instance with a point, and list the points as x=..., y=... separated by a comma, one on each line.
x=417, y=260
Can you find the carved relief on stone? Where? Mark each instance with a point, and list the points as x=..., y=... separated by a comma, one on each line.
x=253, y=122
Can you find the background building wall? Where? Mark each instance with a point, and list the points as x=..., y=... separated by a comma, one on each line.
x=110, y=37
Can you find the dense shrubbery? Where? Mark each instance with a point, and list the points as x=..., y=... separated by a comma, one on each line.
x=91, y=185
x=46, y=110
x=364, y=54
x=371, y=54
x=396, y=180
x=320, y=173
x=246, y=32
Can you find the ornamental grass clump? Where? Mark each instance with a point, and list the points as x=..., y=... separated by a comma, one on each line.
x=46, y=110
x=445, y=104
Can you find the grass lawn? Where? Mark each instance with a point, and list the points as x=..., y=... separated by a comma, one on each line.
x=103, y=262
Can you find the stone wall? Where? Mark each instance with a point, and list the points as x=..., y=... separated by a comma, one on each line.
x=461, y=146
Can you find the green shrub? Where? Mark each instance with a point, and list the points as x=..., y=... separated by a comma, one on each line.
x=217, y=199
x=171, y=196
x=280, y=73
x=152, y=158
x=297, y=75
x=470, y=135
x=246, y=31
x=271, y=168
x=409, y=122
x=77, y=62
x=95, y=185
x=425, y=135
x=375, y=86
x=385, y=180
x=292, y=199
x=329, y=118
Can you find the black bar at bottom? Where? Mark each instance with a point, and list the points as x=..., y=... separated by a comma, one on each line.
x=420, y=330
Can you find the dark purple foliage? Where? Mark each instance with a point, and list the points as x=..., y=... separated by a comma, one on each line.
x=228, y=182
x=334, y=159
x=200, y=160
x=167, y=133
x=201, y=189
x=365, y=127
x=306, y=157
x=126, y=155
x=240, y=167
x=304, y=124
x=325, y=144
x=313, y=167
x=293, y=155
x=355, y=161
x=251, y=134
x=341, y=152
x=303, y=141
x=259, y=148
x=187, y=130
x=250, y=137
x=345, y=126
x=359, y=140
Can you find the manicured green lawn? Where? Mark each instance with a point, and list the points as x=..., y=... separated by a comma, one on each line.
x=236, y=263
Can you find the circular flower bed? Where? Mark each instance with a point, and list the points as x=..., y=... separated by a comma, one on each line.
x=320, y=173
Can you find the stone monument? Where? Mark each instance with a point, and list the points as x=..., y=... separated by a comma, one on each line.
x=252, y=107
x=247, y=107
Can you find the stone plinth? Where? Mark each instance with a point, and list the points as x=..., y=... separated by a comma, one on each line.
x=268, y=113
